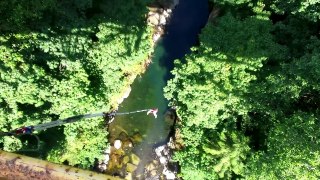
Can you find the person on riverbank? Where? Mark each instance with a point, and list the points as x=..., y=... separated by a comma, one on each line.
x=154, y=112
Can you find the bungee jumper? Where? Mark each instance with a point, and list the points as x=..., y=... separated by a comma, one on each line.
x=28, y=130
x=153, y=111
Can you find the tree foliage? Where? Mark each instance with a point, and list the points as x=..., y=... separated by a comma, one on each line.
x=248, y=95
x=307, y=9
x=65, y=58
x=293, y=151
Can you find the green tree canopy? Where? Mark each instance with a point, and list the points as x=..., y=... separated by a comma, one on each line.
x=65, y=58
x=292, y=153
x=251, y=89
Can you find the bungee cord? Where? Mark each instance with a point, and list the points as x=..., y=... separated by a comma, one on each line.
x=72, y=119
x=132, y=112
x=30, y=129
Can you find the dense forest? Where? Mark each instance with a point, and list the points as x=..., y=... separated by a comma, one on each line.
x=64, y=58
x=248, y=96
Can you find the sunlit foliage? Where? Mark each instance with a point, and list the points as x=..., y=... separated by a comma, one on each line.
x=65, y=58
x=248, y=96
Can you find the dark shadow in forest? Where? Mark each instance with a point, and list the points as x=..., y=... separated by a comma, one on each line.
x=49, y=139
x=31, y=111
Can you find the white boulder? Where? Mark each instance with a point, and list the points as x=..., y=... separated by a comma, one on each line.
x=117, y=144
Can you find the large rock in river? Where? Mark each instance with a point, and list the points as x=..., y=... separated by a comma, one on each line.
x=135, y=159
x=131, y=167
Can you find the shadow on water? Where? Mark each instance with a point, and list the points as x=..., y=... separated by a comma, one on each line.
x=147, y=91
x=182, y=33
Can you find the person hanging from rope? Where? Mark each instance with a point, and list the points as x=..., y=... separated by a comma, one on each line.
x=153, y=111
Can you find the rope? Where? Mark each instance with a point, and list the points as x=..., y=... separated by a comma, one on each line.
x=65, y=121
x=132, y=112
x=72, y=119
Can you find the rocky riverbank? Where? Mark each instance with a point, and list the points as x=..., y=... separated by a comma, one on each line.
x=159, y=15
x=120, y=159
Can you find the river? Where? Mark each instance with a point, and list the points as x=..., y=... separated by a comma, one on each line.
x=147, y=91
